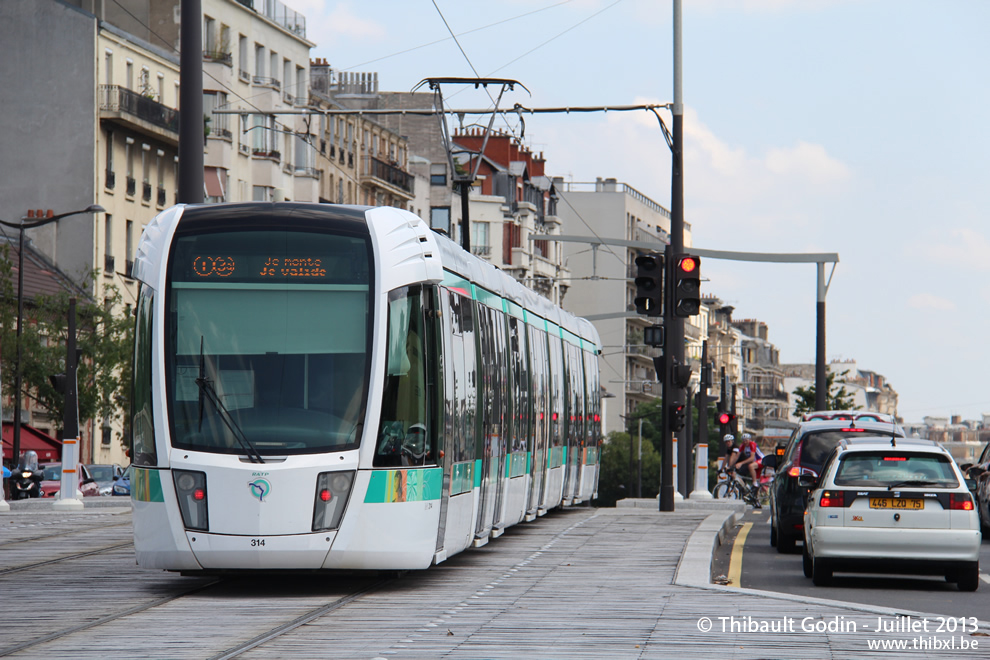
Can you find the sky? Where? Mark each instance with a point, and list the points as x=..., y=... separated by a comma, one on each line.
x=848, y=126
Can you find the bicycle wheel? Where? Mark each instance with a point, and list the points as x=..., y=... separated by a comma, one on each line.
x=726, y=490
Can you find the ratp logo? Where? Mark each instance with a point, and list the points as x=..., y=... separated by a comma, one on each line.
x=260, y=488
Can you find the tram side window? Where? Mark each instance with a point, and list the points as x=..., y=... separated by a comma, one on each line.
x=464, y=374
x=557, y=383
x=142, y=423
x=541, y=387
x=404, y=436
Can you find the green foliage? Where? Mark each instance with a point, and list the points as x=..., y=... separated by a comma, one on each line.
x=105, y=339
x=614, y=481
x=616, y=477
x=836, y=399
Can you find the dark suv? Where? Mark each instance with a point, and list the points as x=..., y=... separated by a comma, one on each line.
x=806, y=451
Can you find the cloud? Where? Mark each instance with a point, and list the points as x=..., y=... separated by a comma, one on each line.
x=927, y=301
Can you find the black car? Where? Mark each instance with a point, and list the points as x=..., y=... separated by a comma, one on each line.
x=805, y=454
x=979, y=475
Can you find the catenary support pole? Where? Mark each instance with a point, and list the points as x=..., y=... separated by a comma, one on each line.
x=191, y=129
x=821, y=377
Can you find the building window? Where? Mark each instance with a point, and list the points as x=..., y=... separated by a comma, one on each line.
x=479, y=239
x=259, y=61
x=108, y=66
x=129, y=75
x=161, y=88
x=438, y=175
x=109, y=171
x=129, y=164
x=108, y=245
x=440, y=218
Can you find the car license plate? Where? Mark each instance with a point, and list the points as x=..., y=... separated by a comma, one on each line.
x=895, y=503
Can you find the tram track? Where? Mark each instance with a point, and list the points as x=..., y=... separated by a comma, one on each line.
x=158, y=602
x=61, y=533
x=302, y=620
x=78, y=555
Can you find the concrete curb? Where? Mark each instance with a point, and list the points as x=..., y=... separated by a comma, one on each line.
x=695, y=570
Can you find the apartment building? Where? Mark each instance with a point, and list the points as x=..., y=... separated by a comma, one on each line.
x=602, y=287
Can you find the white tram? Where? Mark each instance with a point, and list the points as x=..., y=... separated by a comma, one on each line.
x=338, y=387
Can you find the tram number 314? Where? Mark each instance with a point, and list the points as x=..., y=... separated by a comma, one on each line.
x=257, y=543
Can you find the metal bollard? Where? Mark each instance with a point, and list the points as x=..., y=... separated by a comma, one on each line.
x=700, y=491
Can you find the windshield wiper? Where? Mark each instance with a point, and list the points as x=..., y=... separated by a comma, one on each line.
x=206, y=389
x=913, y=482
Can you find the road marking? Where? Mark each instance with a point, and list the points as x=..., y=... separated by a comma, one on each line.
x=735, y=559
x=985, y=577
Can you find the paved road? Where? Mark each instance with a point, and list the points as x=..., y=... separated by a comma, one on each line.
x=764, y=568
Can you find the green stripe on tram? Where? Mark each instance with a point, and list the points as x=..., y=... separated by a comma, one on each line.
x=461, y=477
x=146, y=485
x=415, y=485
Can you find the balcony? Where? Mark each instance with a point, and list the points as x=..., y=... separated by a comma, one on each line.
x=131, y=186
x=262, y=81
x=270, y=155
x=108, y=269
x=111, y=179
x=307, y=171
x=146, y=191
x=378, y=171
x=161, y=196
x=483, y=251
x=218, y=56
x=141, y=113
x=129, y=268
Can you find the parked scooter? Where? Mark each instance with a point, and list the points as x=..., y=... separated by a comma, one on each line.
x=25, y=479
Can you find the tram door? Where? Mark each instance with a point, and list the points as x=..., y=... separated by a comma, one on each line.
x=441, y=393
x=489, y=440
x=537, y=344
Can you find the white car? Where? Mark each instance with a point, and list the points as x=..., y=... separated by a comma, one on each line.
x=891, y=505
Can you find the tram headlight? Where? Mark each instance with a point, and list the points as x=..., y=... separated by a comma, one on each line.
x=332, y=490
x=190, y=490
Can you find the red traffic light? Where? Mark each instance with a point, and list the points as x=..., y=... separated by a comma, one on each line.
x=688, y=264
x=724, y=418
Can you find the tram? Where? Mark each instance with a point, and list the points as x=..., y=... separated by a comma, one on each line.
x=322, y=387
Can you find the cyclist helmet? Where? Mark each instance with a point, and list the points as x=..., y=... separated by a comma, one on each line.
x=746, y=437
x=729, y=438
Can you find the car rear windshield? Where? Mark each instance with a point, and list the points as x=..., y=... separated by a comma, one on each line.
x=817, y=445
x=892, y=469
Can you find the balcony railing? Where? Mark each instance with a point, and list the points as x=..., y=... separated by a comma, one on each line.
x=131, y=186
x=111, y=179
x=146, y=192
x=218, y=56
x=114, y=98
x=129, y=268
x=108, y=269
x=307, y=171
x=267, y=82
x=389, y=174
x=481, y=250
x=161, y=197
x=265, y=153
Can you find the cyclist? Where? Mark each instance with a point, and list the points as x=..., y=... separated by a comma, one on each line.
x=748, y=455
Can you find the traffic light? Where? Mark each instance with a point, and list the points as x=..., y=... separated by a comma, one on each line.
x=653, y=335
x=680, y=374
x=687, y=285
x=676, y=416
x=726, y=419
x=649, y=284
x=58, y=381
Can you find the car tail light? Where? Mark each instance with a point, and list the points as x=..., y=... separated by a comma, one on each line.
x=190, y=489
x=332, y=490
x=798, y=471
x=832, y=498
x=961, y=501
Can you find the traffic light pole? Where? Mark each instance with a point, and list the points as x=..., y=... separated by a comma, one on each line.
x=674, y=326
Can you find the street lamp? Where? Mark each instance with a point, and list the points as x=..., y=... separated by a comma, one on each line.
x=21, y=226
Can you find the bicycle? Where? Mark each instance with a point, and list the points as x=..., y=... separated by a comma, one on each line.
x=734, y=486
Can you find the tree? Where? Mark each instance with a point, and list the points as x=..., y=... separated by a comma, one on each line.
x=615, y=468
x=105, y=339
x=836, y=399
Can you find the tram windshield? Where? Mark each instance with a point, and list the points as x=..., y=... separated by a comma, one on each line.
x=267, y=343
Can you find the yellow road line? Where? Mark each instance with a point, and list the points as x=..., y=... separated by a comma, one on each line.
x=735, y=560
